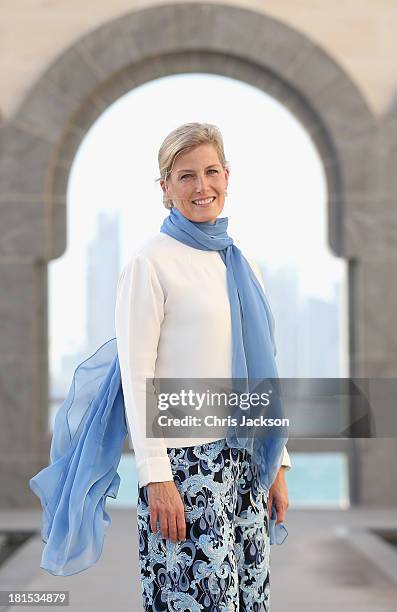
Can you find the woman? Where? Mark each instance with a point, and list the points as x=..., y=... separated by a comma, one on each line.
x=203, y=512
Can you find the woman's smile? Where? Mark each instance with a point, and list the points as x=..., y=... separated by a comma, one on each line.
x=204, y=203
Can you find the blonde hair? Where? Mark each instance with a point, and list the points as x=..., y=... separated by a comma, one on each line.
x=182, y=139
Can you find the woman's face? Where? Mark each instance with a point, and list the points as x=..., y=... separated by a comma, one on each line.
x=197, y=176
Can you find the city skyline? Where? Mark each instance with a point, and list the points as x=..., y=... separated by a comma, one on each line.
x=114, y=174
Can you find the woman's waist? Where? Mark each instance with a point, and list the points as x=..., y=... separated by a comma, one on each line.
x=182, y=442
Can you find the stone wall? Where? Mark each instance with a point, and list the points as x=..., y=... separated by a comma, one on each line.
x=78, y=65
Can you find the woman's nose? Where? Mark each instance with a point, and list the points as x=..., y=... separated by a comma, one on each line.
x=202, y=183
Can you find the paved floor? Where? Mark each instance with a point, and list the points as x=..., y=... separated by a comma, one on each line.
x=329, y=561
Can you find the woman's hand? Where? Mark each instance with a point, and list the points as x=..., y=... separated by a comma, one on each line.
x=166, y=505
x=279, y=494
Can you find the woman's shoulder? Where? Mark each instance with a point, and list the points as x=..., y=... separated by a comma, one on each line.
x=154, y=250
x=256, y=268
x=157, y=245
x=252, y=263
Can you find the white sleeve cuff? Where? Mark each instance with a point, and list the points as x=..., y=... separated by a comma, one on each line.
x=154, y=469
x=286, y=462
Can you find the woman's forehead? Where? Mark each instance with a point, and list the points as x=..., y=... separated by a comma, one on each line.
x=202, y=155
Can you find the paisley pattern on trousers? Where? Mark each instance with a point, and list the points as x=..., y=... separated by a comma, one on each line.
x=223, y=564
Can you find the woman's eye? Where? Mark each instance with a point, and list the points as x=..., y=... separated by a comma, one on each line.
x=189, y=175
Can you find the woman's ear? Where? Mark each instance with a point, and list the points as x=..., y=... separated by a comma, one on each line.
x=164, y=187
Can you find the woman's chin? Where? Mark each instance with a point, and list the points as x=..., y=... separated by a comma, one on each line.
x=204, y=218
x=205, y=214
x=201, y=215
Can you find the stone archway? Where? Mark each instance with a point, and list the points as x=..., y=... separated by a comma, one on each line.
x=40, y=142
x=377, y=299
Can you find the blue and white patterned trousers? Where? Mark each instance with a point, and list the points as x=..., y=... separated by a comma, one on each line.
x=223, y=564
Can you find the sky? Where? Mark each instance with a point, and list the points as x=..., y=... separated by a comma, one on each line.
x=277, y=191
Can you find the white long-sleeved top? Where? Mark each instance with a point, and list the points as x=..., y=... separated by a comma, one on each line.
x=172, y=320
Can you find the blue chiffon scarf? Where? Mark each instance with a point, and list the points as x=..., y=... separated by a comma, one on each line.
x=90, y=427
